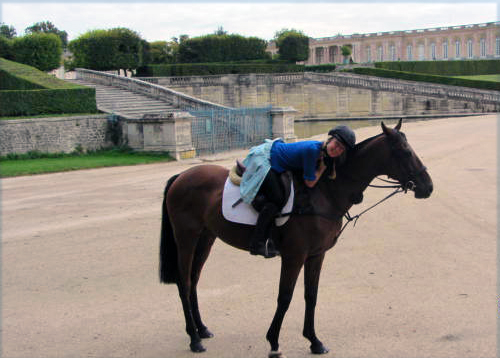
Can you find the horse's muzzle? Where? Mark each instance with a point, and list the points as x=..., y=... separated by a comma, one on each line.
x=423, y=186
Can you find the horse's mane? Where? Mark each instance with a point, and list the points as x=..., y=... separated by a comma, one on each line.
x=361, y=145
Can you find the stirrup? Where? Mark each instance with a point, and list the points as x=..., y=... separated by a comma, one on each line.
x=271, y=250
x=264, y=249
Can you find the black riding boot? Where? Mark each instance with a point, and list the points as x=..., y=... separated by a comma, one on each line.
x=261, y=244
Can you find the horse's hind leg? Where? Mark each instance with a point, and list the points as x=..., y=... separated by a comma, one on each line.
x=312, y=271
x=202, y=251
x=187, y=241
x=290, y=270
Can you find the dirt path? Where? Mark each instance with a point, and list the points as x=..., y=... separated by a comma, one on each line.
x=414, y=278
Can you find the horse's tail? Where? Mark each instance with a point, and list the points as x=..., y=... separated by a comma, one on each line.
x=168, y=248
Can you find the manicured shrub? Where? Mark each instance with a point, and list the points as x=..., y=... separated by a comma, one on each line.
x=5, y=47
x=444, y=68
x=423, y=77
x=221, y=48
x=104, y=50
x=199, y=69
x=293, y=45
x=24, y=90
x=40, y=50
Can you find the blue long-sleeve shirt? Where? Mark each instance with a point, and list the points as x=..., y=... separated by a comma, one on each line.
x=296, y=156
x=279, y=156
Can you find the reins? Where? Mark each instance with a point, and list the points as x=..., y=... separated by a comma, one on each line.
x=400, y=188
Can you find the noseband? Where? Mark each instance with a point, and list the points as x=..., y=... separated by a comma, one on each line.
x=408, y=185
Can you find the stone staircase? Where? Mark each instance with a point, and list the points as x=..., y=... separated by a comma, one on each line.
x=124, y=103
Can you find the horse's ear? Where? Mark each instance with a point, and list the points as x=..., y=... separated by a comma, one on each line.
x=398, y=126
x=386, y=130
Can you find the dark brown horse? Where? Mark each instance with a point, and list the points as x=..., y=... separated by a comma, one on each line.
x=192, y=219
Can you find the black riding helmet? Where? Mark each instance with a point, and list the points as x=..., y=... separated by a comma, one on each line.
x=345, y=135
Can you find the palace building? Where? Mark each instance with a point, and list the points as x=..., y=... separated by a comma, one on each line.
x=463, y=42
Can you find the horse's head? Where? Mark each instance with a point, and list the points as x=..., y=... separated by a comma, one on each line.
x=404, y=164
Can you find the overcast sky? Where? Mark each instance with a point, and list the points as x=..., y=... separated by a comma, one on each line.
x=162, y=20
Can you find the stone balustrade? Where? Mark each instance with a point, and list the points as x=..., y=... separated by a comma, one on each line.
x=339, y=80
x=179, y=100
x=407, y=87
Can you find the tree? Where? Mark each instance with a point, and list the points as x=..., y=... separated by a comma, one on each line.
x=292, y=45
x=6, y=48
x=48, y=28
x=346, y=51
x=162, y=52
x=222, y=48
x=39, y=50
x=7, y=31
x=102, y=50
x=220, y=31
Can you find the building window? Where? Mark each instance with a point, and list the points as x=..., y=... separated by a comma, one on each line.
x=409, y=55
x=368, y=54
x=433, y=51
x=380, y=54
x=497, y=46
x=319, y=55
x=331, y=54
x=457, y=49
x=482, y=47
x=445, y=50
x=421, y=52
x=392, y=52
x=470, y=53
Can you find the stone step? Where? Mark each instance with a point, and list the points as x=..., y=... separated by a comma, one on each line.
x=126, y=103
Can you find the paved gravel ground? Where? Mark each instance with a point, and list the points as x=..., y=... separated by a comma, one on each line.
x=414, y=278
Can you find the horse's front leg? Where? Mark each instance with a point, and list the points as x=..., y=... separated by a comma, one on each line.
x=290, y=269
x=312, y=271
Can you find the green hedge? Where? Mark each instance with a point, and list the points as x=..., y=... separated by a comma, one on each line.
x=10, y=82
x=24, y=90
x=40, y=50
x=47, y=101
x=221, y=48
x=488, y=85
x=444, y=68
x=200, y=69
x=320, y=68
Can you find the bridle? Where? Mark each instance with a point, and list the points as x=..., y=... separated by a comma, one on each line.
x=399, y=187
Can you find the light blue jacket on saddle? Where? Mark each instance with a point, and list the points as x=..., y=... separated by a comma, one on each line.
x=281, y=157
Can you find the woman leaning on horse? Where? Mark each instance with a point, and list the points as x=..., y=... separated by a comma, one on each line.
x=262, y=187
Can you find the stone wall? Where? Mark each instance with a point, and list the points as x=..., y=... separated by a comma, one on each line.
x=57, y=134
x=330, y=96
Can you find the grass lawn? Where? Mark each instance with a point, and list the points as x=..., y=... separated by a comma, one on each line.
x=492, y=78
x=38, y=163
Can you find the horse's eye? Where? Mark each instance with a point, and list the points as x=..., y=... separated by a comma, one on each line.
x=404, y=153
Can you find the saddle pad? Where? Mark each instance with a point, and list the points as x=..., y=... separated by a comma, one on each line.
x=244, y=213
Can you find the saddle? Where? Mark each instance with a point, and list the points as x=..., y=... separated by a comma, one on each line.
x=239, y=168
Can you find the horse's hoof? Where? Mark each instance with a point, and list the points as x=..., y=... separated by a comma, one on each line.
x=276, y=354
x=319, y=348
x=197, y=347
x=205, y=333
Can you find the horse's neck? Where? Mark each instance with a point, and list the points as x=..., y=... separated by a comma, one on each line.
x=367, y=162
x=356, y=174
